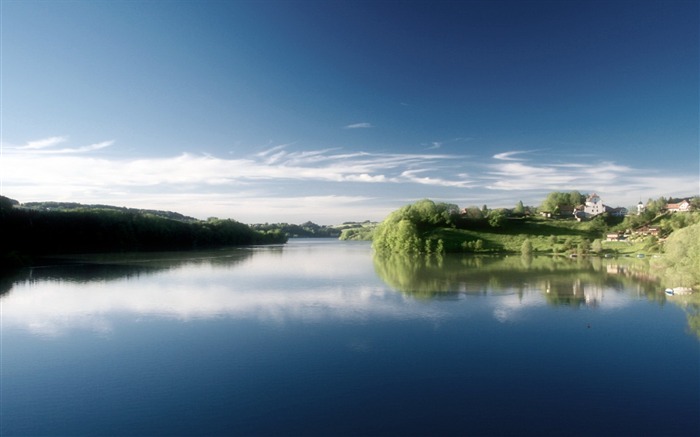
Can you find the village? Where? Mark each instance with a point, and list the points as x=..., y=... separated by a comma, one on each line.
x=594, y=207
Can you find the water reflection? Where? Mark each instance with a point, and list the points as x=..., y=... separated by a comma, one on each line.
x=563, y=281
x=272, y=284
x=311, y=282
x=590, y=282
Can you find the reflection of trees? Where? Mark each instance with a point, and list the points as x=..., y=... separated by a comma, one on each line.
x=563, y=281
x=110, y=267
x=691, y=305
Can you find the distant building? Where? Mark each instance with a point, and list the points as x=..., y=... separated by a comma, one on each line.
x=616, y=236
x=617, y=212
x=682, y=206
x=566, y=211
x=640, y=208
x=647, y=230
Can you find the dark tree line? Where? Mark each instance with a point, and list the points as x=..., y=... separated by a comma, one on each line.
x=30, y=232
x=73, y=206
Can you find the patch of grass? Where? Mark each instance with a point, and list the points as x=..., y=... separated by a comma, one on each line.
x=546, y=236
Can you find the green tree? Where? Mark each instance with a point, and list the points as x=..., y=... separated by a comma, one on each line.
x=405, y=229
x=526, y=248
x=695, y=203
x=497, y=218
x=597, y=246
x=472, y=212
x=519, y=208
x=583, y=247
x=681, y=261
x=576, y=198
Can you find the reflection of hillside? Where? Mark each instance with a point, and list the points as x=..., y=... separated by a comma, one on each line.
x=691, y=305
x=562, y=280
x=110, y=267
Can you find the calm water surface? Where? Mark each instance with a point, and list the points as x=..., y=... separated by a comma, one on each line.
x=319, y=337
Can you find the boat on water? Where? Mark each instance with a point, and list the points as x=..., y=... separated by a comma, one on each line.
x=678, y=291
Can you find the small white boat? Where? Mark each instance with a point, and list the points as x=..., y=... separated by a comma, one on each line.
x=678, y=291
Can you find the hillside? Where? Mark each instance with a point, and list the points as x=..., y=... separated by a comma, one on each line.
x=426, y=227
x=38, y=230
x=72, y=206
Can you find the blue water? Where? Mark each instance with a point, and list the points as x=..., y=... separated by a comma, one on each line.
x=309, y=339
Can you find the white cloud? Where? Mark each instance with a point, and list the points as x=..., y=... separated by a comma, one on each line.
x=508, y=156
x=255, y=187
x=359, y=126
x=44, y=143
x=47, y=146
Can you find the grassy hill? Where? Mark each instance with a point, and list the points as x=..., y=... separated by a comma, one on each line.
x=429, y=227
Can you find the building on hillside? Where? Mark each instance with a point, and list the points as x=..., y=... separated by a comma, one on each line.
x=594, y=206
x=640, y=208
x=615, y=236
x=683, y=205
x=647, y=230
x=566, y=211
x=617, y=212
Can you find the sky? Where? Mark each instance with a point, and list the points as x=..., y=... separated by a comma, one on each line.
x=334, y=111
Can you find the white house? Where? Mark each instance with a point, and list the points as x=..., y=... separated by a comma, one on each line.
x=594, y=206
x=682, y=206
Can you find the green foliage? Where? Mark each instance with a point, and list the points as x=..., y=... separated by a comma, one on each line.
x=526, y=248
x=472, y=232
x=583, y=247
x=556, y=199
x=474, y=213
x=519, y=208
x=406, y=229
x=681, y=260
x=473, y=246
x=304, y=230
x=360, y=233
x=497, y=218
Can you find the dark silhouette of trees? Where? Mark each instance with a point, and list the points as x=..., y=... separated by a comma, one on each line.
x=40, y=232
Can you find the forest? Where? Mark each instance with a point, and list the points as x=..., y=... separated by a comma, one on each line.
x=39, y=230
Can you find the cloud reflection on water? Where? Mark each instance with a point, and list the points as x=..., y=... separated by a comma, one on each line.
x=300, y=282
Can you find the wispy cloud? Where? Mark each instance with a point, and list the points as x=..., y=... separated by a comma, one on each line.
x=281, y=182
x=32, y=174
x=358, y=126
x=48, y=146
x=509, y=156
x=44, y=143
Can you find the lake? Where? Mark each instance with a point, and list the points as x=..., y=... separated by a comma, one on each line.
x=322, y=337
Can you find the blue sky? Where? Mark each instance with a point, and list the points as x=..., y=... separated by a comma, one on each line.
x=333, y=111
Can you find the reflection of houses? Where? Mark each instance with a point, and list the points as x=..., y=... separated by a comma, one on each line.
x=683, y=205
x=593, y=295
